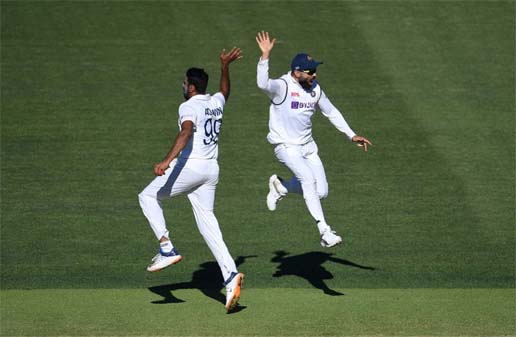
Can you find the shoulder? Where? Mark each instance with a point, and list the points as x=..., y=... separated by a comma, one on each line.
x=219, y=97
x=185, y=105
x=187, y=108
x=321, y=90
x=285, y=77
x=318, y=91
x=283, y=80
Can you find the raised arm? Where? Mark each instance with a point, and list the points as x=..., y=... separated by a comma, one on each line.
x=275, y=89
x=225, y=60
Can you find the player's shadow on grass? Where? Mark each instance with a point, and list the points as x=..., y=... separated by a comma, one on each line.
x=309, y=266
x=207, y=279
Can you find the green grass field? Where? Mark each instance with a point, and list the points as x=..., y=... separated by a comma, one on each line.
x=89, y=97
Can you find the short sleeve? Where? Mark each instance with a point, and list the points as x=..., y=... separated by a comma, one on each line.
x=186, y=113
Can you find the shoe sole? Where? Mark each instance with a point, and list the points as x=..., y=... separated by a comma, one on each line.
x=272, y=189
x=271, y=207
x=278, y=186
x=325, y=245
x=173, y=262
x=236, y=295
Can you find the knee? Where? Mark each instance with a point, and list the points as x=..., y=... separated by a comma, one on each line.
x=141, y=199
x=309, y=188
x=144, y=197
x=322, y=191
x=322, y=194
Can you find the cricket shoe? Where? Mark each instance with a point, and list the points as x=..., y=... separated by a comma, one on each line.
x=276, y=192
x=233, y=286
x=330, y=238
x=163, y=260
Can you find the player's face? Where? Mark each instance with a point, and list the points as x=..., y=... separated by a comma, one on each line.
x=185, y=89
x=306, y=77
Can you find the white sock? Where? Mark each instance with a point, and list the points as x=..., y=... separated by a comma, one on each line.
x=323, y=227
x=166, y=246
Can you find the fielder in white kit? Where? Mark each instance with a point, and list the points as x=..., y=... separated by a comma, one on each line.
x=191, y=168
x=294, y=98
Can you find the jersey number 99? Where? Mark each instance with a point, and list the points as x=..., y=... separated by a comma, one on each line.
x=211, y=130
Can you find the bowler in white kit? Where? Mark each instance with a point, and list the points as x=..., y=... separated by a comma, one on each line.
x=294, y=98
x=191, y=168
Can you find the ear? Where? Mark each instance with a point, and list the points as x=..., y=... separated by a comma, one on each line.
x=191, y=88
x=296, y=74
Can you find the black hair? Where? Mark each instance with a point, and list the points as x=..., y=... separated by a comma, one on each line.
x=198, y=78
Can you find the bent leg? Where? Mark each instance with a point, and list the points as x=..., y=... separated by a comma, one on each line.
x=314, y=161
x=293, y=158
x=150, y=202
x=176, y=180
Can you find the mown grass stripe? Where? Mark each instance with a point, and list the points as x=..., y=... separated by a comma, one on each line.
x=266, y=312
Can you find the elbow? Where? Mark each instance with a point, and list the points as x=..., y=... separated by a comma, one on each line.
x=224, y=89
x=261, y=85
x=260, y=82
x=186, y=133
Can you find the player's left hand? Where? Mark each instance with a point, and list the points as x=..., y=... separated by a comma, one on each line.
x=232, y=55
x=160, y=168
x=361, y=141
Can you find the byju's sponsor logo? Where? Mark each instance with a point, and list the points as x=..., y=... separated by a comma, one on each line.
x=302, y=105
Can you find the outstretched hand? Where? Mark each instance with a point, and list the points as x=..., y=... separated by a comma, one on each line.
x=265, y=43
x=361, y=141
x=227, y=58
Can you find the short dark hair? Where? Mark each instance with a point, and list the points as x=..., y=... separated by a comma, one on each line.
x=198, y=78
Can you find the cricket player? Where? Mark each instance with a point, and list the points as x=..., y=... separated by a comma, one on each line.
x=294, y=98
x=190, y=167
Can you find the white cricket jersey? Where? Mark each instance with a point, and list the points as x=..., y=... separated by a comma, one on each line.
x=205, y=112
x=292, y=108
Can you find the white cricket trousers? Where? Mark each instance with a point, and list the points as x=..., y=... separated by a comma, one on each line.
x=309, y=177
x=197, y=178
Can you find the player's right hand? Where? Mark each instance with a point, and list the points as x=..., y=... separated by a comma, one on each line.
x=361, y=141
x=160, y=168
x=227, y=58
x=265, y=43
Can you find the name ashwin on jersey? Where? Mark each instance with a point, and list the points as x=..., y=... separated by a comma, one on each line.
x=213, y=112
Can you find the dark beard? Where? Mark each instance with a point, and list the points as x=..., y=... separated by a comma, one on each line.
x=308, y=87
x=305, y=85
x=185, y=95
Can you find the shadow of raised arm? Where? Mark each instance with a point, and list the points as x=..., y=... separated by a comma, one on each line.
x=348, y=263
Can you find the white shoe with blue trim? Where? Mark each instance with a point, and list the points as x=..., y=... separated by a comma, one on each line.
x=163, y=260
x=233, y=287
x=276, y=192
